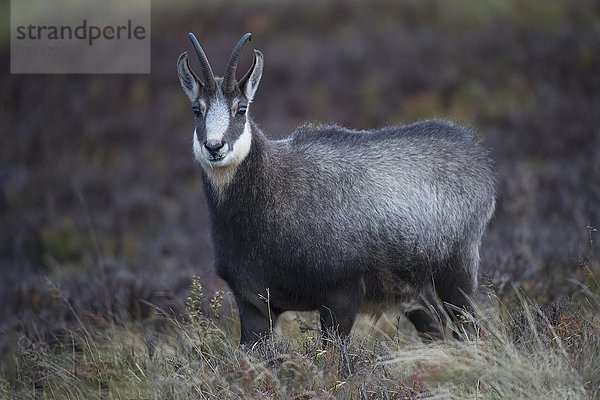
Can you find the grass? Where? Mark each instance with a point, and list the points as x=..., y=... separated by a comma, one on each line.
x=521, y=351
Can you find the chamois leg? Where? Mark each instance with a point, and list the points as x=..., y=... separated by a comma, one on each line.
x=456, y=288
x=338, y=314
x=254, y=324
x=426, y=318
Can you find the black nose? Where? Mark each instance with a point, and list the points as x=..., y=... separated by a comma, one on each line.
x=213, y=146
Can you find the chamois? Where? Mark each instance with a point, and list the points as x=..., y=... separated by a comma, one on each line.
x=333, y=219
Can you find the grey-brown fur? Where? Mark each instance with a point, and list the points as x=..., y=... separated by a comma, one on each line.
x=333, y=219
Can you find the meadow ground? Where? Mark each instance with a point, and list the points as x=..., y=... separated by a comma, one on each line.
x=521, y=351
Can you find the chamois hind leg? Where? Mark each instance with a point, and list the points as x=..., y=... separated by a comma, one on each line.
x=456, y=286
x=426, y=318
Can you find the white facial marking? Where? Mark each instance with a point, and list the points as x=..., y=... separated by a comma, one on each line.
x=241, y=147
x=197, y=148
x=217, y=120
x=222, y=172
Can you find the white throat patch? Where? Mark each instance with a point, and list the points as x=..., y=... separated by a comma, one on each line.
x=217, y=120
x=221, y=173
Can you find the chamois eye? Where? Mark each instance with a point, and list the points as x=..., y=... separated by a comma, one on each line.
x=242, y=110
x=196, y=110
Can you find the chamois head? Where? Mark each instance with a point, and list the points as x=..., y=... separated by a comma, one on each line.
x=222, y=133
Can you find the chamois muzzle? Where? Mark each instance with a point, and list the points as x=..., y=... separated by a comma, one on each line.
x=214, y=148
x=229, y=78
x=209, y=79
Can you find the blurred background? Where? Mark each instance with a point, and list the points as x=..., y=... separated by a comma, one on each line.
x=101, y=207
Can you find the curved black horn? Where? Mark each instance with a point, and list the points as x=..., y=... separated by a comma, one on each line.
x=229, y=78
x=209, y=78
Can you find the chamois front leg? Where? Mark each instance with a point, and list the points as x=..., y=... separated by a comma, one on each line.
x=254, y=324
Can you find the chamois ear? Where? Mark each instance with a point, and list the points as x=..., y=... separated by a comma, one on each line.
x=189, y=81
x=249, y=82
